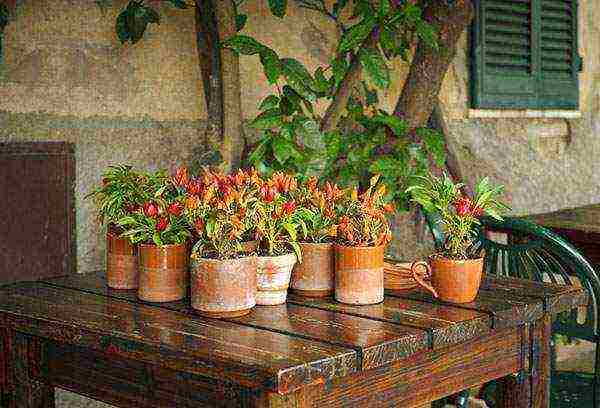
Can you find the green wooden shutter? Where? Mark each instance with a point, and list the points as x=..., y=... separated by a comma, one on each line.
x=559, y=87
x=524, y=54
x=504, y=51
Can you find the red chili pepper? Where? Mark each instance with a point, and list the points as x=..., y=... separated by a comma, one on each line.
x=150, y=209
x=162, y=224
x=175, y=208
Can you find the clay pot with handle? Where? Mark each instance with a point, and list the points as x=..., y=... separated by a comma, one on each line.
x=455, y=281
x=359, y=274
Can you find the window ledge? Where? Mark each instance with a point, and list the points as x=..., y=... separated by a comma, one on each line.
x=523, y=113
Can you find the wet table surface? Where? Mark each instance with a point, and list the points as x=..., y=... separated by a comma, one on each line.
x=76, y=333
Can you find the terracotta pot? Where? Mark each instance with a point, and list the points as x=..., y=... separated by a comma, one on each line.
x=223, y=288
x=250, y=247
x=163, y=272
x=359, y=274
x=121, y=262
x=455, y=281
x=273, y=278
x=314, y=276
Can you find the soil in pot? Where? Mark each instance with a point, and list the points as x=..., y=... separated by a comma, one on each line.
x=163, y=272
x=314, y=276
x=273, y=278
x=121, y=262
x=223, y=288
x=455, y=281
x=359, y=274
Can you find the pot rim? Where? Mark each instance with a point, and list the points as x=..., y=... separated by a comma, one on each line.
x=161, y=246
x=214, y=260
x=277, y=256
x=316, y=243
x=359, y=246
x=438, y=257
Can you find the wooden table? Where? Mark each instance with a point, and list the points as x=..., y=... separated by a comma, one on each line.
x=75, y=333
x=581, y=226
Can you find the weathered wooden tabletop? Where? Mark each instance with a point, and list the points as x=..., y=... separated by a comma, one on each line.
x=76, y=333
x=580, y=226
x=584, y=219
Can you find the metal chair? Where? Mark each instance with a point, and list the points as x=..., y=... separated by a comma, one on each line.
x=535, y=253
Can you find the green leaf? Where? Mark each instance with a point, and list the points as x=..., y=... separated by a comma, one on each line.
x=180, y=4
x=259, y=151
x=321, y=83
x=339, y=67
x=282, y=149
x=298, y=78
x=357, y=34
x=270, y=102
x=338, y=6
x=121, y=27
x=268, y=119
x=244, y=44
x=434, y=143
x=384, y=8
x=278, y=7
x=240, y=21
x=4, y=14
x=396, y=124
x=375, y=66
x=271, y=64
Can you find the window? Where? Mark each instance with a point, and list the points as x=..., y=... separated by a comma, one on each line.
x=524, y=55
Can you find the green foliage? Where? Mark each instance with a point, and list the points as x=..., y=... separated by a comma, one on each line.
x=133, y=21
x=180, y=4
x=291, y=139
x=278, y=7
x=3, y=16
x=142, y=229
x=459, y=214
x=122, y=191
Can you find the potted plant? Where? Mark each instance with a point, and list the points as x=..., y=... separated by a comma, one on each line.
x=456, y=269
x=120, y=194
x=314, y=276
x=277, y=228
x=363, y=233
x=223, y=275
x=161, y=232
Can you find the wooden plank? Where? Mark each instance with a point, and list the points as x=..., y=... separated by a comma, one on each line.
x=556, y=298
x=246, y=355
x=446, y=324
x=504, y=312
x=377, y=342
x=428, y=376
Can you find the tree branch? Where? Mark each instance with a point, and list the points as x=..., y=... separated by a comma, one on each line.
x=335, y=110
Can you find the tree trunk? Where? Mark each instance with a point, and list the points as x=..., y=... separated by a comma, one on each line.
x=233, y=140
x=429, y=65
x=210, y=66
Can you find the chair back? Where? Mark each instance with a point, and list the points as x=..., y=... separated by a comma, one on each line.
x=536, y=253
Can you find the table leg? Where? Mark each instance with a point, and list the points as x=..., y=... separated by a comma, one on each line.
x=531, y=387
x=20, y=363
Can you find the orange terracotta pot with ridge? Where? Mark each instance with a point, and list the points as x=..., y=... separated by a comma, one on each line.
x=121, y=262
x=163, y=272
x=314, y=276
x=455, y=281
x=359, y=274
x=223, y=288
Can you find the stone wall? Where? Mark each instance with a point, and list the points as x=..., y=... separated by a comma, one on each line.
x=65, y=76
